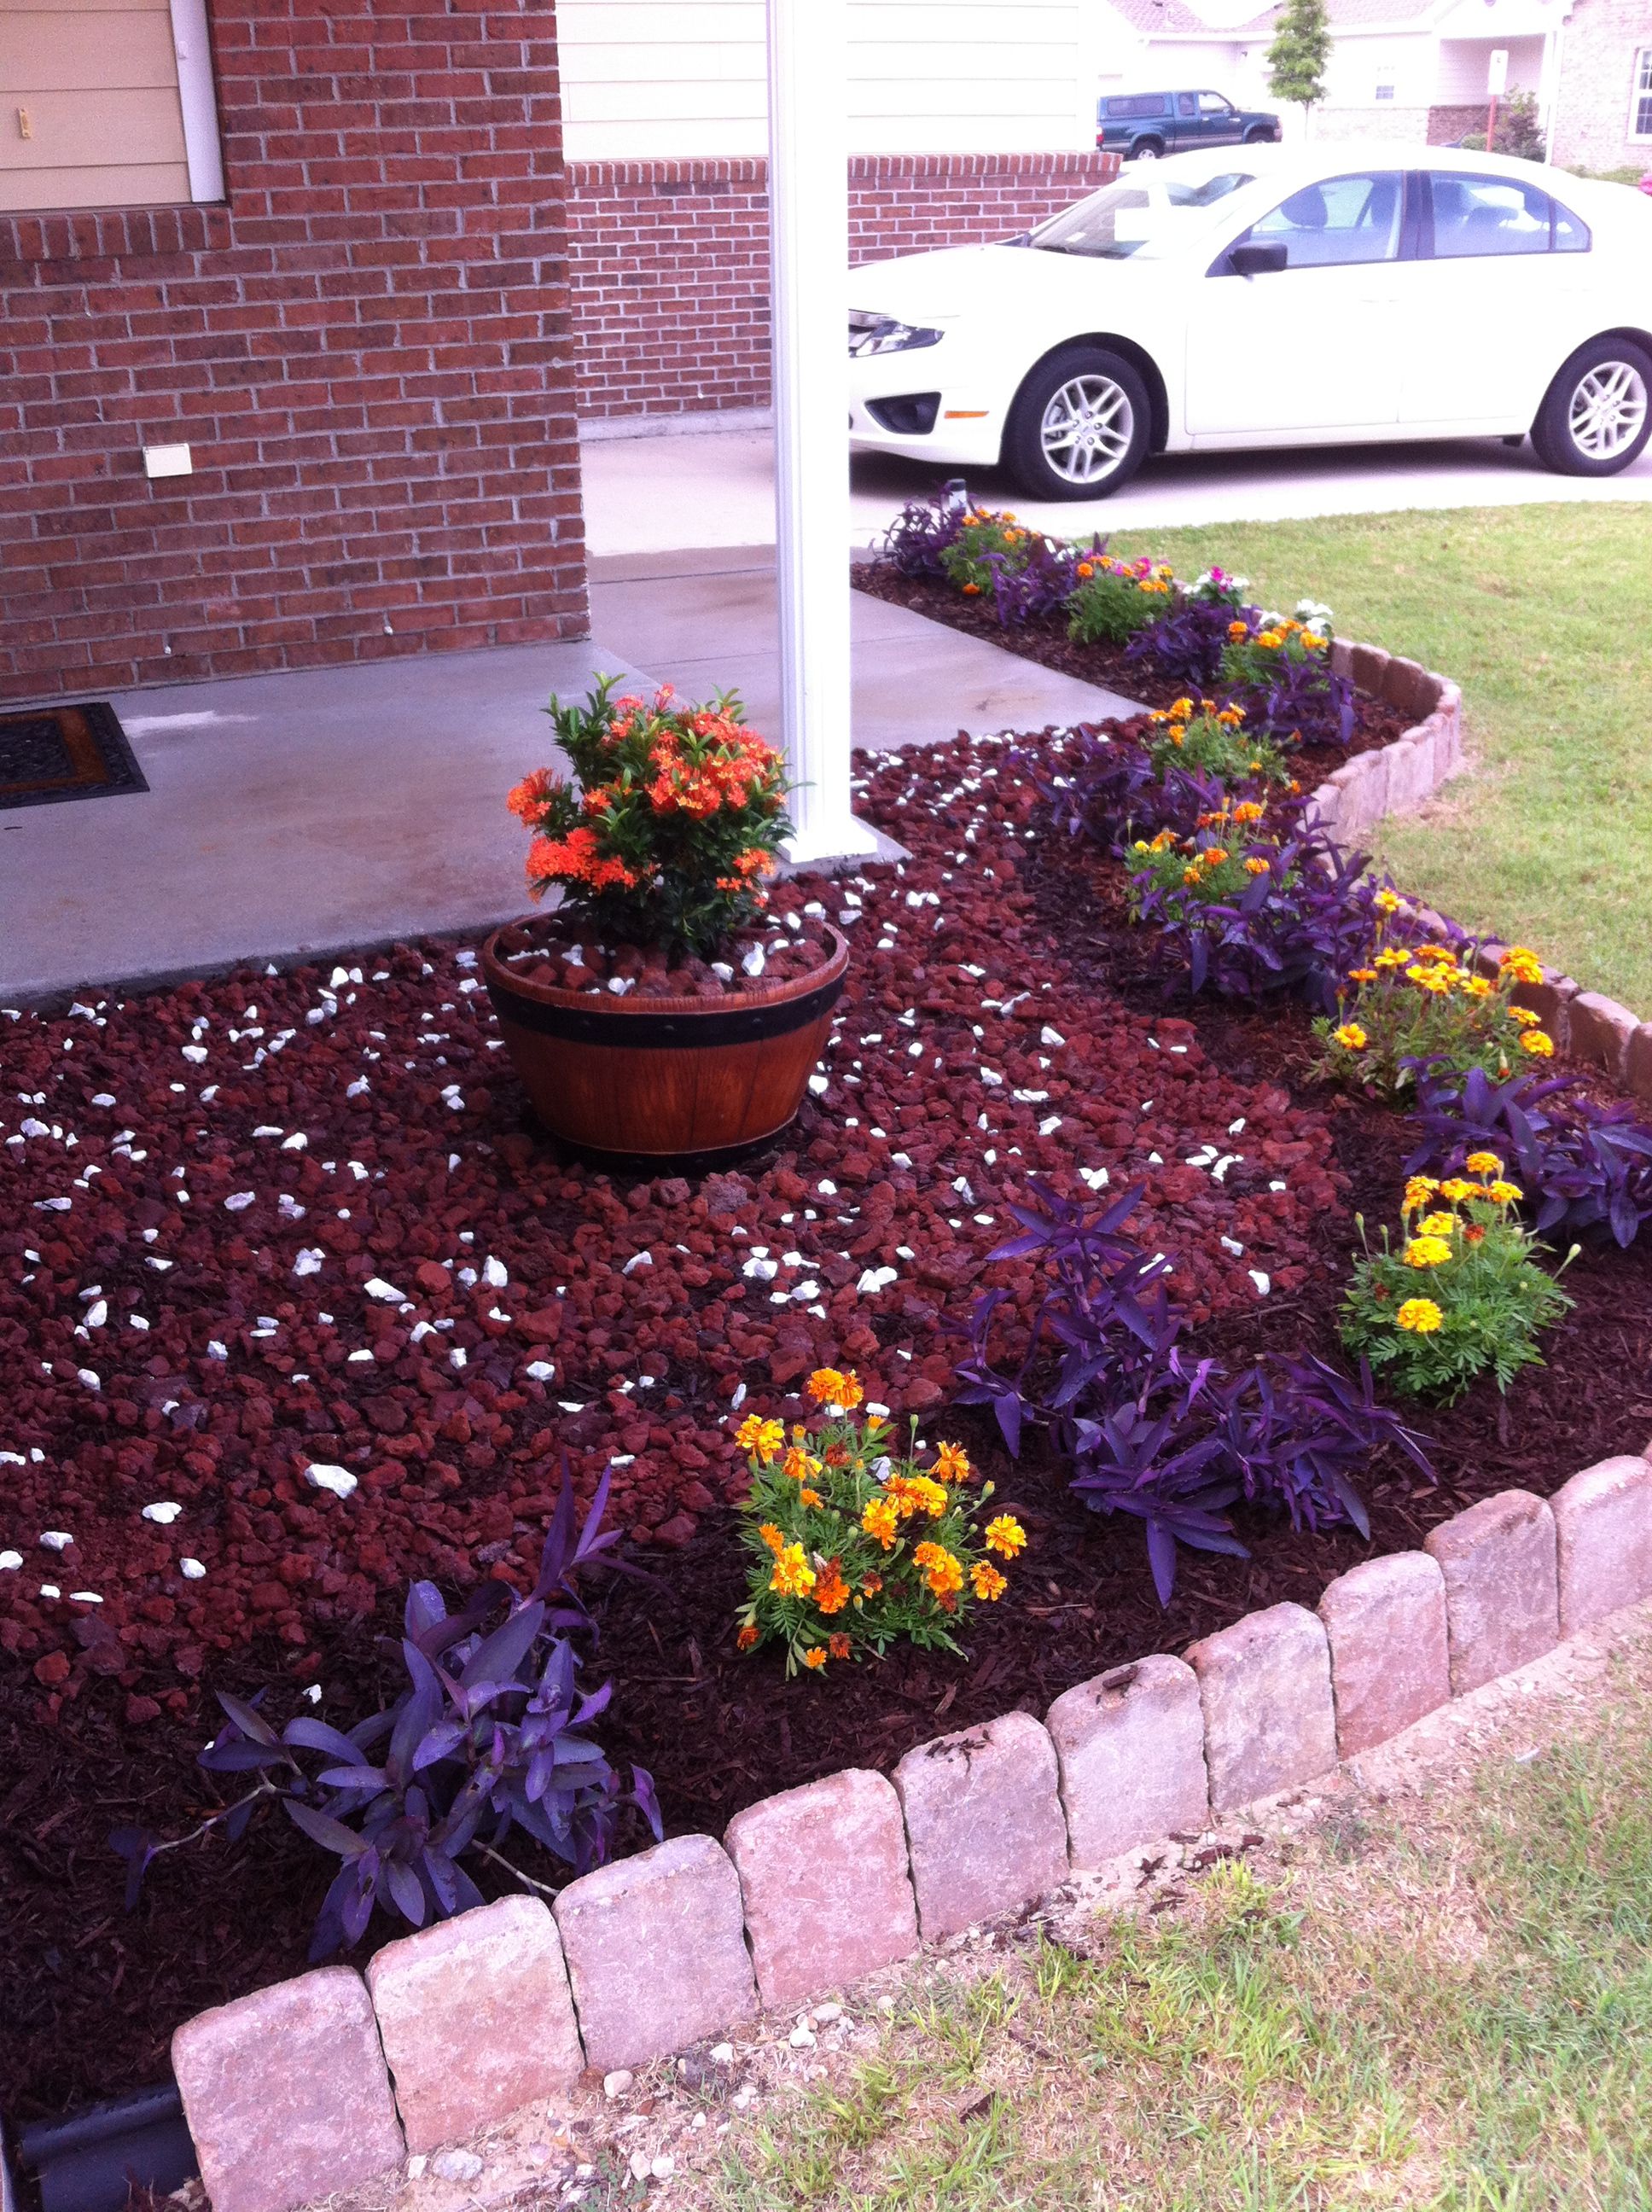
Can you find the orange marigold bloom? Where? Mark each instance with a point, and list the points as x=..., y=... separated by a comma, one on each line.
x=772, y=1536
x=1005, y=1534
x=747, y=1637
x=951, y=1463
x=831, y=1591
x=881, y=1520
x=838, y=1645
x=872, y=1584
x=798, y=1465
x=987, y=1580
x=808, y=1496
x=814, y=1658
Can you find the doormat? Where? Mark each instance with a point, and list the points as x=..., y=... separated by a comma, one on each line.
x=48, y=754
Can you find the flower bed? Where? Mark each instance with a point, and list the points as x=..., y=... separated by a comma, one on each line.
x=326, y=1438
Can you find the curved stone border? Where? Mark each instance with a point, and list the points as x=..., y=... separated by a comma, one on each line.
x=317, y=2084
x=1394, y=778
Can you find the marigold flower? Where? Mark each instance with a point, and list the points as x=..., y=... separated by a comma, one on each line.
x=1504, y=1194
x=916, y=1493
x=1524, y=1018
x=746, y=1638
x=987, y=1582
x=1457, y=1190
x=1350, y=1037
x=1191, y=876
x=807, y=1497
x=762, y=1438
x=772, y=1536
x=1434, y=980
x=1538, y=1043
x=1386, y=902
x=1005, y=1534
x=951, y=1463
x=1238, y=630
x=831, y=1591
x=838, y=1645
x=1436, y=1224
x=1362, y=974
x=944, y=1574
x=1426, y=1252
x=814, y=1658
x=872, y=1584
x=1256, y=866
x=1523, y=964
x=1396, y=956
x=798, y=1465
x=1249, y=810
x=1419, y=1191
x=1214, y=855
x=793, y=1576
x=880, y=1519
x=1484, y=1163
x=972, y=590
x=1420, y=1317
x=1086, y=570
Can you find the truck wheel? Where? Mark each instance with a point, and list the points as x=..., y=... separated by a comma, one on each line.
x=1146, y=149
x=1079, y=426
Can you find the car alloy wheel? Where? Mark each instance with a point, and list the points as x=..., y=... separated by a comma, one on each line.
x=1087, y=427
x=1609, y=410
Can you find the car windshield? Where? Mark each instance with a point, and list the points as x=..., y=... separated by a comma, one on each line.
x=1134, y=216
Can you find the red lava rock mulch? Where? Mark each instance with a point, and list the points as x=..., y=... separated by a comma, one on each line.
x=320, y=1193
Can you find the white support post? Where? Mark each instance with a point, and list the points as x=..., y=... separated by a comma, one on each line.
x=809, y=253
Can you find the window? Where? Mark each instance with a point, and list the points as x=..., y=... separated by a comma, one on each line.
x=108, y=103
x=1345, y=219
x=1131, y=216
x=1385, y=90
x=1211, y=103
x=1135, y=105
x=1640, y=116
x=1185, y=104
x=1477, y=216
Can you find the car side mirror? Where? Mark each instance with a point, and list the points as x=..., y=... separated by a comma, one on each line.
x=1256, y=257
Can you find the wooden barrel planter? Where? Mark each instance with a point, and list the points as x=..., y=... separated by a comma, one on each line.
x=665, y=1078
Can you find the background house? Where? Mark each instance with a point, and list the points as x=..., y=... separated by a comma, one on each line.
x=1413, y=69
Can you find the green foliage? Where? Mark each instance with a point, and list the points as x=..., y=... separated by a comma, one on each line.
x=1463, y=1293
x=1301, y=53
x=1519, y=133
x=1211, y=741
x=1217, y=864
x=853, y=1545
x=1114, y=599
x=983, y=534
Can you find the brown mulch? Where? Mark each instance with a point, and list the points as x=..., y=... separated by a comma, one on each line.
x=101, y=1713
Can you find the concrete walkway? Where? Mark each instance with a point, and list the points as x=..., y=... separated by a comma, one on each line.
x=308, y=814
x=707, y=486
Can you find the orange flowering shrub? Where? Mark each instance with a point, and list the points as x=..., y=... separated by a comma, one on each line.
x=855, y=1544
x=670, y=826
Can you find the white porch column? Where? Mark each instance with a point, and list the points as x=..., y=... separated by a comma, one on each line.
x=809, y=252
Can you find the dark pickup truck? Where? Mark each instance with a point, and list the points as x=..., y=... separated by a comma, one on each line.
x=1143, y=125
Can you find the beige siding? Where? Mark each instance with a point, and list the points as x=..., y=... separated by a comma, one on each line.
x=662, y=79
x=89, y=112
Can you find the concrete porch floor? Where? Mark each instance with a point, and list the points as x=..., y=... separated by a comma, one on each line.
x=299, y=815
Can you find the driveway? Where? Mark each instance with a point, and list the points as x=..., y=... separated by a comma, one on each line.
x=698, y=486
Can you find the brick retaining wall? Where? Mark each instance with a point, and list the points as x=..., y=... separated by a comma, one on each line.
x=669, y=259
x=366, y=348
x=290, y=2095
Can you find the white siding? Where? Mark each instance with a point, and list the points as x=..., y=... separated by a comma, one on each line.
x=1464, y=63
x=674, y=79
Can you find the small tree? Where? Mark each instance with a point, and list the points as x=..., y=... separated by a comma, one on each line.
x=1520, y=130
x=1300, y=54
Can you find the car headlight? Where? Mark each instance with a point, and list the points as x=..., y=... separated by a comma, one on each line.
x=869, y=333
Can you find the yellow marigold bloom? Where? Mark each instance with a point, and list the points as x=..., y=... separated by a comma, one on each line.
x=1273, y=639
x=793, y=1576
x=1180, y=710
x=1249, y=810
x=1191, y=876
x=945, y=1574
x=1538, y=1043
x=1436, y=1224
x=987, y=1582
x=814, y=1657
x=1256, y=866
x=1350, y=1037
x=951, y=1463
x=1484, y=1163
x=1426, y=1252
x=772, y=1536
x=1524, y=1016
x=1476, y=987
x=1430, y=979
x=1457, y=1190
x=762, y=1438
x=1419, y=1191
x=881, y=1520
x=1230, y=717
x=1395, y=956
x=1421, y=1316
x=1386, y=902
x=916, y=1493
x=1005, y=1534
x=1440, y=952
x=1523, y=964
x=1504, y=1194
x=1312, y=643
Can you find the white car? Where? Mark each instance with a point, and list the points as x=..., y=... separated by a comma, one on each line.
x=1270, y=295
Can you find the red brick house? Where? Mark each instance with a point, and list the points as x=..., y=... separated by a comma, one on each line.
x=363, y=335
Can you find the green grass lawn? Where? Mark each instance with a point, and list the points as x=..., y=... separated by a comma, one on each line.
x=1444, y=2005
x=1544, y=615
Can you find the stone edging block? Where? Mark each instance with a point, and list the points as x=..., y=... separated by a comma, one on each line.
x=475, y=2019
x=1398, y=776
x=1265, y=1685
x=1502, y=1606
x=823, y=1875
x=287, y=2094
x=1390, y=1661
x=656, y=1951
x=985, y=1827
x=1131, y=1744
x=1603, y=1532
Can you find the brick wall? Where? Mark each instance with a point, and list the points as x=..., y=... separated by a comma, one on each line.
x=669, y=259
x=367, y=349
x=1592, y=107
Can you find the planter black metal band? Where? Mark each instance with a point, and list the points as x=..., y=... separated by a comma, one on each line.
x=645, y=1032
